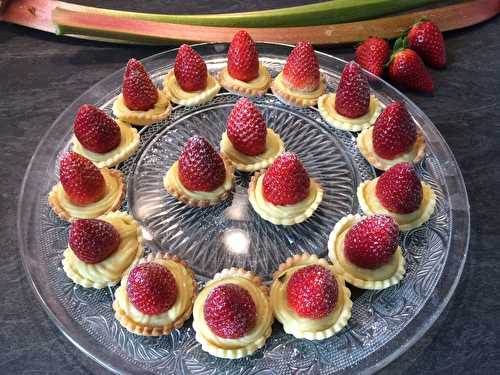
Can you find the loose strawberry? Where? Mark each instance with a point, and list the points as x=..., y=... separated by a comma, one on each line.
x=399, y=189
x=200, y=167
x=301, y=71
x=246, y=128
x=190, y=69
x=286, y=181
x=139, y=92
x=407, y=69
x=426, y=39
x=93, y=240
x=394, y=132
x=95, y=130
x=352, y=98
x=230, y=311
x=371, y=242
x=242, y=57
x=151, y=288
x=312, y=292
x=81, y=179
x=372, y=54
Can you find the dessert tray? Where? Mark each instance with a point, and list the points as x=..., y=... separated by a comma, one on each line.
x=384, y=323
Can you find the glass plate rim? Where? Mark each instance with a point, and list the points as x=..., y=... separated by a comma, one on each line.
x=90, y=347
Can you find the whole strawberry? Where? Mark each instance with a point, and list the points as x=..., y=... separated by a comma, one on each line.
x=399, y=189
x=301, y=71
x=426, y=39
x=407, y=69
x=95, y=130
x=139, y=92
x=190, y=69
x=81, y=179
x=372, y=54
x=230, y=311
x=246, y=128
x=200, y=167
x=394, y=132
x=286, y=181
x=151, y=288
x=312, y=292
x=93, y=240
x=371, y=242
x=242, y=57
x=352, y=97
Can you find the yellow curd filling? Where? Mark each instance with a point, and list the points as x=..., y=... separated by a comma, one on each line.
x=179, y=96
x=247, y=163
x=113, y=195
x=305, y=98
x=185, y=293
x=300, y=327
x=128, y=146
x=386, y=275
x=371, y=205
x=108, y=272
x=160, y=111
x=365, y=145
x=287, y=214
x=326, y=107
x=245, y=345
x=171, y=181
x=257, y=86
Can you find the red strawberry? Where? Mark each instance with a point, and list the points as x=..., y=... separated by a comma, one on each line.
x=301, y=71
x=312, y=292
x=426, y=40
x=242, y=57
x=399, y=189
x=230, y=311
x=372, y=55
x=394, y=132
x=139, y=92
x=81, y=179
x=407, y=69
x=200, y=167
x=151, y=288
x=93, y=240
x=95, y=130
x=286, y=181
x=352, y=98
x=246, y=128
x=371, y=242
x=190, y=69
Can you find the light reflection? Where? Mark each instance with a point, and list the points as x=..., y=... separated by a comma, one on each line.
x=236, y=241
x=146, y=234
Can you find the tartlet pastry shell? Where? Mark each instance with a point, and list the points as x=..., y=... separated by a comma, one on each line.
x=293, y=97
x=345, y=313
x=365, y=145
x=202, y=202
x=258, y=165
x=119, y=154
x=428, y=196
x=251, y=347
x=144, y=330
x=88, y=283
x=343, y=225
x=64, y=215
x=160, y=111
x=245, y=88
x=326, y=107
x=201, y=97
x=252, y=192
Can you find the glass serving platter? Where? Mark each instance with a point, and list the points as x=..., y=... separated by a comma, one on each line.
x=384, y=323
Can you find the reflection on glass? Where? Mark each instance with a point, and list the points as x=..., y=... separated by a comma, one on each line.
x=236, y=241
